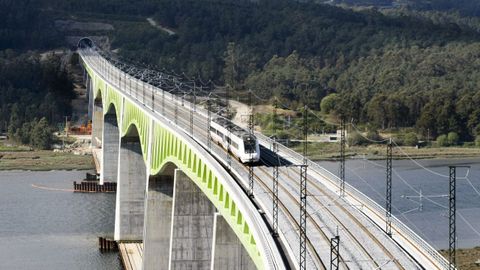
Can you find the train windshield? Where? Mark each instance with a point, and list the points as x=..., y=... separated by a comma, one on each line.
x=250, y=144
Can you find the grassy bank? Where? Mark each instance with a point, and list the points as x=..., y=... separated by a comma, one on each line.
x=466, y=258
x=44, y=161
x=330, y=151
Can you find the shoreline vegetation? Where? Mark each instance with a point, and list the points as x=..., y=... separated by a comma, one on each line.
x=23, y=158
x=331, y=152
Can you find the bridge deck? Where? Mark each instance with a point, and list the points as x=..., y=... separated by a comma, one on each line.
x=368, y=247
x=364, y=245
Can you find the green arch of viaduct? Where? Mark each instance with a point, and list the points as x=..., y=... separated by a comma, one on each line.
x=167, y=147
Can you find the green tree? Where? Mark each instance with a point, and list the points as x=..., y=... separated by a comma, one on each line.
x=23, y=134
x=41, y=136
x=15, y=121
x=376, y=111
x=328, y=103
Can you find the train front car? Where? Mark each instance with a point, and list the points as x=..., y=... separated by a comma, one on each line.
x=251, y=149
x=238, y=141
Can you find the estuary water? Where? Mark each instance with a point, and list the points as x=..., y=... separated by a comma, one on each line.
x=44, y=225
x=47, y=226
x=420, y=195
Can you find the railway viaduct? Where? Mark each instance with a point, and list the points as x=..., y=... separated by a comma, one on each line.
x=187, y=200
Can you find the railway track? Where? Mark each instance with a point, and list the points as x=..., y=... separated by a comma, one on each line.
x=199, y=124
x=375, y=250
x=313, y=196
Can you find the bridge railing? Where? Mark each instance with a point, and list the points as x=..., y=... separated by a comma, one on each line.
x=364, y=200
x=273, y=260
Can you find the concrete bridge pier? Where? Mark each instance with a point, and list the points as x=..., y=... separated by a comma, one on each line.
x=89, y=92
x=158, y=220
x=192, y=226
x=110, y=148
x=228, y=252
x=183, y=230
x=97, y=123
x=131, y=187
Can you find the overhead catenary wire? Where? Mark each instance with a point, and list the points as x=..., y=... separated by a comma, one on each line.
x=418, y=193
x=417, y=163
x=393, y=206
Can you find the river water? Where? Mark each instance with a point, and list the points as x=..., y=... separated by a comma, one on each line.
x=430, y=177
x=53, y=229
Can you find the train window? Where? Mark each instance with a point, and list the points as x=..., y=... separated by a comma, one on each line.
x=250, y=144
x=235, y=145
x=212, y=129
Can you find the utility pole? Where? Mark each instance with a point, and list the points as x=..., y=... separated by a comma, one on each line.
x=388, y=196
x=275, y=173
x=250, y=130
x=209, y=120
x=131, y=88
x=303, y=195
x=274, y=119
x=191, y=119
x=303, y=217
x=229, y=131
x=342, y=156
x=143, y=90
x=163, y=102
x=125, y=82
x=452, y=216
x=334, y=252
x=176, y=110
x=305, y=133
x=195, y=96
x=153, y=98
x=275, y=201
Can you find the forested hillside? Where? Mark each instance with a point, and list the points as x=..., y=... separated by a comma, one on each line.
x=389, y=69
x=23, y=26
x=35, y=93
x=465, y=7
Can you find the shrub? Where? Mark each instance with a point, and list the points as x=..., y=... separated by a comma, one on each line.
x=442, y=140
x=374, y=136
x=477, y=141
x=410, y=139
x=356, y=139
x=453, y=138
